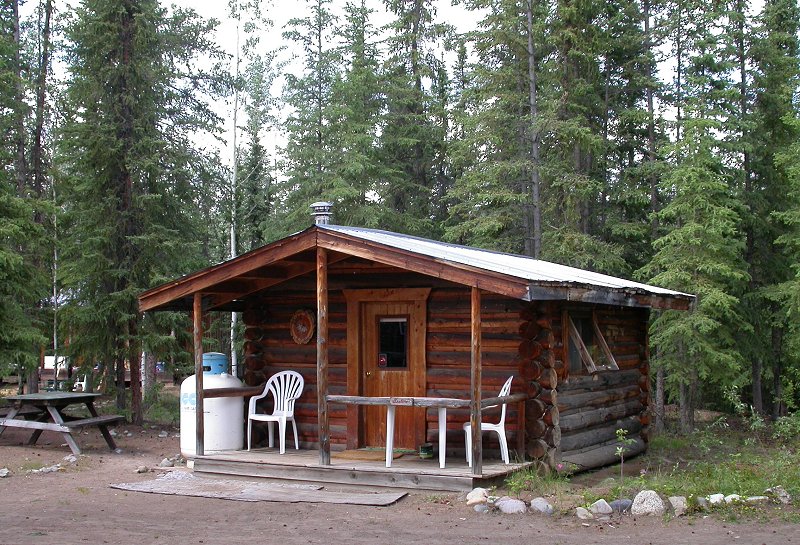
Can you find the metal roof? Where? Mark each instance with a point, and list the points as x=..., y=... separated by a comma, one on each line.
x=527, y=268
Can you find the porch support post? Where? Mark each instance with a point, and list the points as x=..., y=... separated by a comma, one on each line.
x=197, y=319
x=475, y=382
x=322, y=357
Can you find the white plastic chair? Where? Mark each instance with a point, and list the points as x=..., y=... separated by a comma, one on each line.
x=285, y=388
x=499, y=428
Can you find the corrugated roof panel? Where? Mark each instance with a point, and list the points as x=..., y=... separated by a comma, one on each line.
x=527, y=268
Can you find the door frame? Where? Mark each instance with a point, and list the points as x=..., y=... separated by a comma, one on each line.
x=418, y=299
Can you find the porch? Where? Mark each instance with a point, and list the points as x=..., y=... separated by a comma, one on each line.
x=408, y=471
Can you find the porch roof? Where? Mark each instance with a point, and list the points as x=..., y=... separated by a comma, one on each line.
x=225, y=285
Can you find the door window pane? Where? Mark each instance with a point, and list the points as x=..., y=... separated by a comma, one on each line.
x=393, y=349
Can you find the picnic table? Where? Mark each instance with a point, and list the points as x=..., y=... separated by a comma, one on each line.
x=44, y=412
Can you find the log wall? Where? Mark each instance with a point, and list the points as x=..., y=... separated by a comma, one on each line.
x=593, y=407
x=567, y=417
x=269, y=348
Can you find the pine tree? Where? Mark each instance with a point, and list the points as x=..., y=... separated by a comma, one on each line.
x=410, y=140
x=308, y=154
x=776, y=165
x=355, y=112
x=129, y=169
x=493, y=127
x=22, y=283
x=702, y=250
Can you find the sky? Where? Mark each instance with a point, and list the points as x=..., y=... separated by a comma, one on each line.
x=280, y=11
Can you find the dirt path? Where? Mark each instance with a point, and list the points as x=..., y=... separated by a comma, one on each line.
x=77, y=506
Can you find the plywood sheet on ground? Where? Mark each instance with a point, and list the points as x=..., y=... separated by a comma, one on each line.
x=187, y=484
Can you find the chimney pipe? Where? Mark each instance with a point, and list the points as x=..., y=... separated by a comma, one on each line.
x=321, y=212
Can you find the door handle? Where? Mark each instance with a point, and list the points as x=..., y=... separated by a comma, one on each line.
x=369, y=373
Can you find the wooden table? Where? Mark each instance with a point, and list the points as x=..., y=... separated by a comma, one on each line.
x=46, y=409
x=441, y=403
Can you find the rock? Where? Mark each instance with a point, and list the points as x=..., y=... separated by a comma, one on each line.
x=621, y=506
x=113, y=433
x=757, y=499
x=117, y=450
x=70, y=458
x=4, y=472
x=541, y=505
x=731, y=498
x=166, y=462
x=702, y=503
x=600, y=508
x=50, y=469
x=715, y=499
x=142, y=469
x=510, y=506
x=679, y=505
x=648, y=502
x=163, y=434
x=583, y=513
x=780, y=494
x=477, y=495
x=481, y=508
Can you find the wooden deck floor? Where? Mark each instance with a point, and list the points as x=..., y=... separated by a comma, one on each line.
x=408, y=471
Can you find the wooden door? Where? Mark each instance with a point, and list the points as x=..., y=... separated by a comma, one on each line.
x=366, y=426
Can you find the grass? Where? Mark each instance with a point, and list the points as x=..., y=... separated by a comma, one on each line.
x=722, y=457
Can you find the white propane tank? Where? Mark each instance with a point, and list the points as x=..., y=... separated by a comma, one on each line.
x=223, y=417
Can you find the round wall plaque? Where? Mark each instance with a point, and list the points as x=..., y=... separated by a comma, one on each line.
x=302, y=326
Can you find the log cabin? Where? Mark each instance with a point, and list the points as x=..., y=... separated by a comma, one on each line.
x=365, y=314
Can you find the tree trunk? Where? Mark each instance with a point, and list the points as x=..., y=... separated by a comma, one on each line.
x=20, y=164
x=658, y=428
x=37, y=153
x=135, y=358
x=755, y=374
x=688, y=390
x=533, y=243
x=651, y=140
x=777, y=343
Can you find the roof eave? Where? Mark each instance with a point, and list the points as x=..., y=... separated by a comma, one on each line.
x=609, y=296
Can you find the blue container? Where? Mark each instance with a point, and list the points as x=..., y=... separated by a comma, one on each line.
x=214, y=363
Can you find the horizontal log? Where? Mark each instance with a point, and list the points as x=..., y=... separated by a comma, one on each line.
x=535, y=408
x=602, y=455
x=592, y=417
x=547, y=359
x=599, y=435
x=535, y=428
x=253, y=334
x=601, y=380
x=536, y=449
x=546, y=338
x=549, y=396
x=534, y=388
x=529, y=349
x=553, y=436
x=548, y=379
x=246, y=391
x=576, y=402
x=529, y=330
x=551, y=416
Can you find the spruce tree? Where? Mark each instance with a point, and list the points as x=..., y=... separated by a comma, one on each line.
x=133, y=102
x=702, y=250
x=308, y=155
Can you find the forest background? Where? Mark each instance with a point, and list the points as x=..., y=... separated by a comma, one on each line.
x=649, y=139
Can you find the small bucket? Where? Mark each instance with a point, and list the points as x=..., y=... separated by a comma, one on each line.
x=426, y=450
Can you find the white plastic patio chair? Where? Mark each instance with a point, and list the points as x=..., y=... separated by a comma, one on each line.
x=285, y=387
x=499, y=428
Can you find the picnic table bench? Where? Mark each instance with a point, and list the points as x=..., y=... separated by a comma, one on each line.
x=44, y=412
